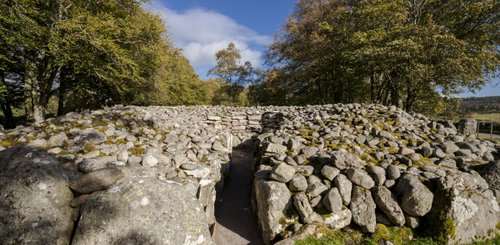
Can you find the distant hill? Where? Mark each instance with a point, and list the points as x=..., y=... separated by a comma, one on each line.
x=480, y=105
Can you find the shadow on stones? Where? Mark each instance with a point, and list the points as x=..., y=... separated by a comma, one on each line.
x=14, y=164
x=136, y=237
x=233, y=207
x=99, y=208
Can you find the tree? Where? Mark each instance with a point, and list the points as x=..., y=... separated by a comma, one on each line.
x=96, y=52
x=390, y=52
x=230, y=71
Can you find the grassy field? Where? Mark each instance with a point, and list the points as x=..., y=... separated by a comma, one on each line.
x=495, y=117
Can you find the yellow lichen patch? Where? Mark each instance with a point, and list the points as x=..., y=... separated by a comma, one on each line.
x=136, y=151
x=89, y=148
x=392, y=150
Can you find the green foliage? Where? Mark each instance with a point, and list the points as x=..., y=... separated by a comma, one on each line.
x=336, y=237
x=391, y=52
x=396, y=235
x=89, y=54
x=233, y=77
x=481, y=105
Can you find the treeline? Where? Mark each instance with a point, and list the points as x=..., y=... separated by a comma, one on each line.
x=480, y=105
x=412, y=54
x=67, y=55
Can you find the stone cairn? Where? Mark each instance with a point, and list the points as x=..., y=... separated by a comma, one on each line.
x=357, y=166
x=147, y=175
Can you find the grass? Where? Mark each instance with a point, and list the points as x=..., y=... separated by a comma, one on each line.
x=485, y=117
x=396, y=235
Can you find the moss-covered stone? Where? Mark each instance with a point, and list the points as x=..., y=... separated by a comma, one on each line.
x=396, y=235
x=437, y=223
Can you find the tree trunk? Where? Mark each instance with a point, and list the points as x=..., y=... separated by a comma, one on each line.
x=7, y=112
x=410, y=97
x=34, y=105
x=38, y=113
x=60, y=94
x=5, y=105
x=372, y=87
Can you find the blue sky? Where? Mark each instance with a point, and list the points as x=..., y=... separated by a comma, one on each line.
x=202, y=27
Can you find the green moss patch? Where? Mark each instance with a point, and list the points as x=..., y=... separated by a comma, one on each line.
x=396, y=235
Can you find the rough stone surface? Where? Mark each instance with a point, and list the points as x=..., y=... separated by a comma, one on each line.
x=96, y=181
x=416, y=198
x=315, y=189
x=282, y=172
x=363, y=209
x=393, y=172
x=338, y=220
x=298, y=183
x=388, y=204
x=304, y=209
x=274, y=148
x=91, y=137
x=332, y=200
x=345, y=188
x=329, y=172
x=149, y=161
x=34, y=199
x=467, y=206
x=310, y=139
x=491, y=173
x=360, y=178
x=467, y=127
x=91, y=165
x=378, y=174
x=143, y=210
x=342, y=159
x=272, y=199
x=57, y=140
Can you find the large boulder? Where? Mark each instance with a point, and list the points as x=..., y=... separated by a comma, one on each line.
x=416, y=198
x=465, y=208
x=143, y=210
x=360, y=178
x=338, y=220
x=272, y=200
x=34, y=198
x=96, y=181
x=363, y=209
x=282, y=172
x=303, y=207
x=345, y=188
x=491, y=173
x=342, y=159
x=387, y=203
x=91, y=137
x=332, y=200
x=467, y=127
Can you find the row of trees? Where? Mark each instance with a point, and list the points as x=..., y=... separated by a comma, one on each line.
x=86, y=54
x=411, y=54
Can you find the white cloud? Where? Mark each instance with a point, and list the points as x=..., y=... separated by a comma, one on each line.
x=201, y=33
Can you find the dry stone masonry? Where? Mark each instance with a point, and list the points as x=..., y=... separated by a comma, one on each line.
x=150, y=175
x=361, y=165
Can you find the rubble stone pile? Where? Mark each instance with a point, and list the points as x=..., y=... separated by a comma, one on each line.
x=146, y=175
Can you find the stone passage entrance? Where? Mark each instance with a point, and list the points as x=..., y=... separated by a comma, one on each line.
x=236, y=223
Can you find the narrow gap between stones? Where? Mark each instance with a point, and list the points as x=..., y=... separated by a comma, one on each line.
x=75, y=226
x=236, y=223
